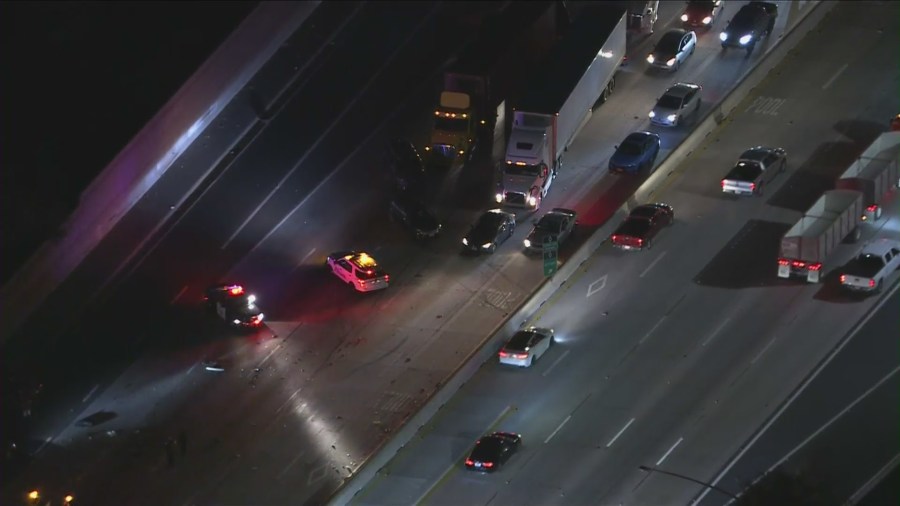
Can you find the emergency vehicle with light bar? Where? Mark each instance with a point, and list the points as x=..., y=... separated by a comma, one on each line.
x=234, y=305
x=358, y=270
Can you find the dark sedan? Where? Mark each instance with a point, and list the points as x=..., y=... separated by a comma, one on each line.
x=642, y=225
x=492, y=228
x=405, y=165
x=701, y=13
x=637, y=152
x=413, y=214
x=558, y=224
x=492, y=451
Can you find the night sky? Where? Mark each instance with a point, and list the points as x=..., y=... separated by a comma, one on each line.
x=80, y=79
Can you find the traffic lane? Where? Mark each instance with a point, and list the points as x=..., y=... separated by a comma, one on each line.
x=887, y=491
x=866, y=359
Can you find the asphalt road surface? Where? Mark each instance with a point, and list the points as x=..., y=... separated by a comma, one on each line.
x=673, y=358
x=300, y=406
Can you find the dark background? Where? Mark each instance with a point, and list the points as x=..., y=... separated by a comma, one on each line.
x=79, y=81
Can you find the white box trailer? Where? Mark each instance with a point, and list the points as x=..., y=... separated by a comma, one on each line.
x=806, y=246
x=875, y=173
x=576, y=77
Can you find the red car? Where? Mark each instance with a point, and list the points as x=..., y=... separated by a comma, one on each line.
x=642, y=225
x=701, y=14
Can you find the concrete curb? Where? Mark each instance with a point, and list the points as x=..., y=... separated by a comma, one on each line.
x=471, y=364
x=140, y=164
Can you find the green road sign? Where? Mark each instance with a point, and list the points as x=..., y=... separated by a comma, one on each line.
x=550, y=249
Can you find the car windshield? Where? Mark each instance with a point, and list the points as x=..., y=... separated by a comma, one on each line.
x=450, y=124
x=643, y=212
x=487, y=449
x=551, y=222
x=520, y=340
x=634, y=227
x=668, y=44
x=669, y=102
x=630, y=148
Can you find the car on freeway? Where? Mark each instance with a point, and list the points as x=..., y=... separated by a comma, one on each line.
x=643, y=224
x=526, y=346
x=680, y=101
x=405, y=165
x=491, y=230
x=558, y=223
x=492, y=451
x=752, y=22
x=867, y=272
x=234, y=305
x=701, y=13
x=637, y=152
x=755, y=168
x=359, y=270
x=414, y=215
x=673, y=49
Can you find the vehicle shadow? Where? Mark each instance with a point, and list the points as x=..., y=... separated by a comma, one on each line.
x=816, y=175
x=748, y=259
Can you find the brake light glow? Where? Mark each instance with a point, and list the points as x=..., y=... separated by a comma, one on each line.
x=871, y=283
x=488, y=464
x=815, y=267
x=236, y=290
x=640, y=242
x=520, y=356
x=615, y=238
x=752, y=186
x=470, y=462
x=784, y=261
x=503, y=354
x=723, y=183
x=843, y=278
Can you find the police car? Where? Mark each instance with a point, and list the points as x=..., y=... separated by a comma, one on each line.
x=359, y=270
x=234, y=305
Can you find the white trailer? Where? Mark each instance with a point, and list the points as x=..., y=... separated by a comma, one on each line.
x=805, y=247
x=875, y=173
x=576, y=77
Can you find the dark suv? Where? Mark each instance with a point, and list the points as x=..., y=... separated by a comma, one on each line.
x=753, y=22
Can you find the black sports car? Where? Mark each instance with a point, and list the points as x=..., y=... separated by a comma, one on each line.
x=492, y=228
x=492, y=451
x=414, y=215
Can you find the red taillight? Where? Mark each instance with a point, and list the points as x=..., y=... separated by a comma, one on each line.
x=752, y=186
x=798, y=264
x=387, y=278
x=784, y=261
x=814, y=267
x=488, y=464
x=615, y=238
x=504, y=354
x=723, y=183
x=236, y=290
x=872, y=208
x=871, y=283
x=640, y=242
x=520, y=356
x=470, y=462
x=843, y=278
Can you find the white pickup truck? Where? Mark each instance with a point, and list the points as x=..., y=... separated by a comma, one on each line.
x=866, y=272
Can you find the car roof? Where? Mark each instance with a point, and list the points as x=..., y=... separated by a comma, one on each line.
x=879, y=247
x=758, y=153
x=639, y=136
x=681, y=89
x=646, y=209
x=671, y=38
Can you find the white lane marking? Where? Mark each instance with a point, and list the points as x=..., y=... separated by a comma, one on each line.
x=835, y=76
x=652, y=264
x=305, y=257
x=834, y=418
x=454, y=465
x=714, y=333
x=179, y=294
x=613, y=440
x=651, y=330
x=289, y=466
x=774, y=338
x=873, y=481
x=601, y=282
x=853, y=333
x=269, y=355
x=545, y=373
x=289, y=399
x=256, y=211
x=89, y=394
x=557, y=429
x=661, y=459
x=45, y=443
x=189, y=371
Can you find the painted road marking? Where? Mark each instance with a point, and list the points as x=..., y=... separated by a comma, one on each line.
x=89, y=394
x=613, y=440
x=288, y=401
x=714, y=333
x=545, y=373
x=270, y=355
x=557, y=429
x=317, y=473
x=652, y=264
x=853, y=333
x=179, y=294
x=874, y=480
x=302, y=260
x=835, y=76
x=651, y=330
x=766, y=105
x=601, y=282
x=661, y=459
x=455, y=464
x=771, y=342
x=289, y=466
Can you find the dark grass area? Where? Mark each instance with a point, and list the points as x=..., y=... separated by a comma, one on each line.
x=80, y=79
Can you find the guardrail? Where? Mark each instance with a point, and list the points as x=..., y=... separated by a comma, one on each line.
x=149, y=155
x=806, y=22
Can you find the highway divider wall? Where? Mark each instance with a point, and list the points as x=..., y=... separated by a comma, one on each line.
x=805, y=20
x=148, y=156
